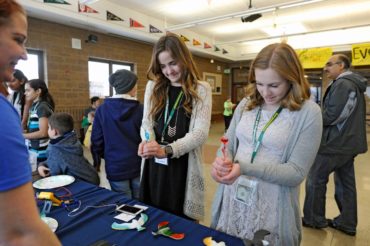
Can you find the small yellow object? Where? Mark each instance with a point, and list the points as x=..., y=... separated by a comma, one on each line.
x=49, y=196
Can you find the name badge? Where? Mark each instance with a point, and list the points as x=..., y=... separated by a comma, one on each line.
x=162, y=161
x=245, y=191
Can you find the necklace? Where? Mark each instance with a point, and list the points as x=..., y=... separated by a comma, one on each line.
x=168, y=116
x=172, y=130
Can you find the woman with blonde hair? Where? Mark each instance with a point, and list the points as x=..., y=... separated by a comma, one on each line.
x=273, y=140
x=176, y=121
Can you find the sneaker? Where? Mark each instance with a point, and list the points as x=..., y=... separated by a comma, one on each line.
x=305, y=224
x=334, y=225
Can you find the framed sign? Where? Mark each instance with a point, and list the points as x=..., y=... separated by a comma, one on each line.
x=215, y=80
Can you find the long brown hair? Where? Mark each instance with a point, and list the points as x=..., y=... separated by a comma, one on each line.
x=283, y=59
x=189, y=81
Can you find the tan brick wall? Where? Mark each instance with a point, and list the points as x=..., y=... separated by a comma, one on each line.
x=67, y=68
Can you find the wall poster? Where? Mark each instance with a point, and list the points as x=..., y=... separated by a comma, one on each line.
x=215, y=80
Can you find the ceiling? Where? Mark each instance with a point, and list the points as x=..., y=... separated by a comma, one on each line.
x=303, y=24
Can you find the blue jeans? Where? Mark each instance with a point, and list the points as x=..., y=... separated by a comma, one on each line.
x=130, y=187
x=345, y=191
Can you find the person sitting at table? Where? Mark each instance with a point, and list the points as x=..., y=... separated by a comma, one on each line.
x=116, y=134
x=273, y=139
x=65, y=153
x=19, y=218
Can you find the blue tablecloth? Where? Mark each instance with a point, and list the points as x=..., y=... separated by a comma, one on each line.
x=95, y=223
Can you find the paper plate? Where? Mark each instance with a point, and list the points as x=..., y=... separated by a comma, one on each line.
x=51, y=222
x=53, y=182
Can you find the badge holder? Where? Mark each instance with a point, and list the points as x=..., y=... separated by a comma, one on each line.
x=245, y=191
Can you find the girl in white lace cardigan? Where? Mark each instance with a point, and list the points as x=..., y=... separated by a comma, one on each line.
x=261, y=174
x=172, y=70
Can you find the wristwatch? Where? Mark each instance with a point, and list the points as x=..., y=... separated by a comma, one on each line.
x=168, y=150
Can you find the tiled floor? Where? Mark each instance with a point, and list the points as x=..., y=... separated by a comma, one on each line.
x=324, y=237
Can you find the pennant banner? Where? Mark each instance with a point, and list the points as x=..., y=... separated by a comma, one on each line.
x=217, y=49
x=185, y=39
x=207, y=46
x=196, y=42
x=56, y=1
x=361, y=54
x=224, y=51
x=153, y=29
x=113, y=17
x=134, y=23
x=82, y=8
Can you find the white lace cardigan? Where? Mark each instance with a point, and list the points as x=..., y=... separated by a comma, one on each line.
x=191, y=143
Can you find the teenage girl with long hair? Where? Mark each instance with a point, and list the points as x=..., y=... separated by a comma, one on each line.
x=176, y=121
x=42, y=107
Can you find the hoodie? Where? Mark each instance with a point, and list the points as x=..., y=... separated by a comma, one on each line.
x=116, y=137
x=344, y=113
x=65, y=156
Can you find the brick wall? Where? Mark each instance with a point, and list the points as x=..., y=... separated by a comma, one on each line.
x=67, y=68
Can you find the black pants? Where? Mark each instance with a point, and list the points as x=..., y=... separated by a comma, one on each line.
x=227, y=120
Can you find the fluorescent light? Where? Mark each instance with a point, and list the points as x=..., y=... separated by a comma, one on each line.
x=242, y=13
x=287, y=29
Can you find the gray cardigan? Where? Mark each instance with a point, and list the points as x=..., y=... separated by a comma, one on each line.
x=192, y=143
x=299, y=155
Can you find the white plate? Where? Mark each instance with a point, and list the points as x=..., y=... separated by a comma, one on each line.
x=54, y=182
x=51, y=222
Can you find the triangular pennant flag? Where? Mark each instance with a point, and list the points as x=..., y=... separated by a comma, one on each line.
x=153, y=29
x=82, y=8
x=56, y=1
x=196, y=42
x=113, y=17
x=217, y=49
x=207, y=45
x=185, y=39
x=134, y=23
x=224, y=51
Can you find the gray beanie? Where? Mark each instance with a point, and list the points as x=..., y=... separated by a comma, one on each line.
x=123, y=81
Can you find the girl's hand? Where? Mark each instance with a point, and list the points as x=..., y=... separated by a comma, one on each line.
x=224, y=171
x=150, y=149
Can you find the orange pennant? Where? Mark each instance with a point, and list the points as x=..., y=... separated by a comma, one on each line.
x=196, y=42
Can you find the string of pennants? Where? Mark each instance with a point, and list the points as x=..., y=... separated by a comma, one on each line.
x=110, y=16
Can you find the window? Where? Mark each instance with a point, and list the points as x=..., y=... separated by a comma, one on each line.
x=99, y=71
x=33, y=67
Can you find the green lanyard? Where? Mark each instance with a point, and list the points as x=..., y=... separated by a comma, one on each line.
x=167, y=121
x=257, y=143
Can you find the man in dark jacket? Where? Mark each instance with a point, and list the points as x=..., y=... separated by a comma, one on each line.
x=344, y=136
x=116, y=134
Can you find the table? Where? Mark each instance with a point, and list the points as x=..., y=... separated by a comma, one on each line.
x=94, y=224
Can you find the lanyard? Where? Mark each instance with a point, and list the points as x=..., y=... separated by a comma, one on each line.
x=167, y=121
x=257, y=143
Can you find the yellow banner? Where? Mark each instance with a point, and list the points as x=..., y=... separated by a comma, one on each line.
x=314, y=58
x=360, y=54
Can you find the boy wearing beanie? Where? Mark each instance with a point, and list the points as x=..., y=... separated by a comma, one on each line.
x=116, y=134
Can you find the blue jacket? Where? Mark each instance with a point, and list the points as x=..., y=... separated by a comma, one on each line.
x=65, y=156
x=116, y=137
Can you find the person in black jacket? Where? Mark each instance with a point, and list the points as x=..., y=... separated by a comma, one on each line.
x=344, y=136
x=115, y=134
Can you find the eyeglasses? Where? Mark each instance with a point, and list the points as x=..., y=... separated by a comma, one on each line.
x=329, y=64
